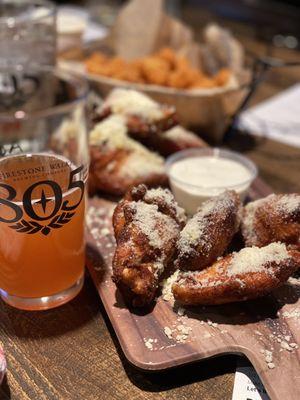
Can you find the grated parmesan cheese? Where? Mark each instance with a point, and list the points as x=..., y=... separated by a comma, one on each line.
x=248, y=219
x=168, y=198
x=289, y=203
x=255, y=259
x=167, y=293
x=147, y=217
x=196, y=231
x=179, y=132
x=142, y=163
x=111, y=132
x=131, y=102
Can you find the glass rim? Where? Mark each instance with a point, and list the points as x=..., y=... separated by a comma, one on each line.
x=215, y=152
x=71, y=77
x=50, y=5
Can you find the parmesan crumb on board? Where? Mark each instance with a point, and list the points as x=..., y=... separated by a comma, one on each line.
x=149, y=343
x=168, y=332
x=166, y=284
x=181, y=311
x=180, y=333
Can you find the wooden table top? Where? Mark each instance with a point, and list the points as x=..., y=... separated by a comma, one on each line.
x=72, y=352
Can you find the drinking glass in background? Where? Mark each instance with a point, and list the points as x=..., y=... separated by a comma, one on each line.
x=104, y=12
x=43, y=175
x=27, y=33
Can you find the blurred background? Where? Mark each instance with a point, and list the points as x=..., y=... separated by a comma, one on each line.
x=273, y=21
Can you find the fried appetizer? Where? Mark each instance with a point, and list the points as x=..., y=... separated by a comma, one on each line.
x=147, y=121
x=250, y=273
x=147, y=225
x=118, y=162
x=176, y=139
x=142, y=114
x=274, y=218
x=207, y=235
x=164, y=68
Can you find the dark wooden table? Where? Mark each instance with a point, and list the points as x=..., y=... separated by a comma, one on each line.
x=72, y=352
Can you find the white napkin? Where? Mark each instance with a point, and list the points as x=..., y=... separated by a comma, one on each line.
x=277, y=118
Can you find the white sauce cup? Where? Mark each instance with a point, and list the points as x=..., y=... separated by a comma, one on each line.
x=191, y=195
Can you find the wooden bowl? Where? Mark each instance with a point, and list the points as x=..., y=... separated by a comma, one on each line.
x=205, y=110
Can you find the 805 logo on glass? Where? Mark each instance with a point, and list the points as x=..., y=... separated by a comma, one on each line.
x=29, y=205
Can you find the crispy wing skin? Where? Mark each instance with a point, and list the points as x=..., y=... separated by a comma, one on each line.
x=215, y=285
x=159, y=131
x=207, y=235
x=161, y=197
x=176, y=139
x=143, y=128
x=140, y=127
x=274, y=218
x=146, y=232
x=113, y=172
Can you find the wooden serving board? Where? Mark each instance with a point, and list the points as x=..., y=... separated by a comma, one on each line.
x=248, y=328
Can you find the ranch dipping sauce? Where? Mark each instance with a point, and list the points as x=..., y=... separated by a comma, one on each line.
x=198, y=174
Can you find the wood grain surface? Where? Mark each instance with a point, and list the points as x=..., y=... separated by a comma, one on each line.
x=249, y=328
x=72, y=352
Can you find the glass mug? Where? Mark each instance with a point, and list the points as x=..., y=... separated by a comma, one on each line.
x=43, y=175
x=27, y=32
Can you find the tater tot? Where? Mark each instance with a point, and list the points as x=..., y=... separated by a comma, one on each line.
x=164, y=68
x=222, y=77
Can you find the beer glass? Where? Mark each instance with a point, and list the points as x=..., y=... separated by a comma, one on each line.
x=43, y=175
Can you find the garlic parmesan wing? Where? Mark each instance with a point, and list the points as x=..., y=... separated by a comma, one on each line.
x=248, y=274
x=209, y=232
x=147, y=225
x=274, y=218
x=118, y=162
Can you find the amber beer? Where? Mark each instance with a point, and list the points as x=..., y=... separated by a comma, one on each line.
x=42, y=203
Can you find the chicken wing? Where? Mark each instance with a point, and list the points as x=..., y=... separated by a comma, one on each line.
x=274, y=218
x=250, y=273
x=207, y=235
x=142, y=114
x=175, y=139
x=152, y=124
x=118, y=162
x=147, y=225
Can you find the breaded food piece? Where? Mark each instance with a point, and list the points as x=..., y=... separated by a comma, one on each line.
x=177, y=138
x=152, y=124
x=164, y=68
x=168, y=55
x=118, y=162
x=155, y=70
x=222, y=77
x=138, y=109
x=274, y=218
x=209, y=232
x=147, y=225
x=204, y=83
x=162, y=197
x=248, y=274
x=145, y=118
